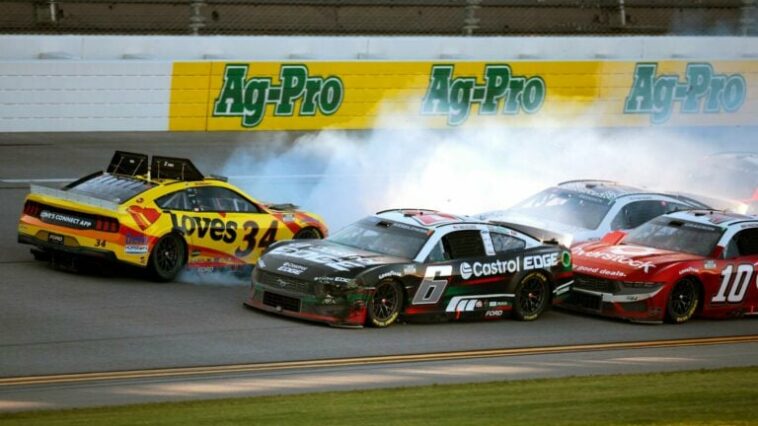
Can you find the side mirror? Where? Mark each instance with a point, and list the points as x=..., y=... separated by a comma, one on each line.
x=614, y=237
x=718, y=252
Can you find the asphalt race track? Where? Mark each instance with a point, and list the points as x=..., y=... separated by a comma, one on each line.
x=55, y=322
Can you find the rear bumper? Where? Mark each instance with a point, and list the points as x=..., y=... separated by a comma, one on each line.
x=73, y=250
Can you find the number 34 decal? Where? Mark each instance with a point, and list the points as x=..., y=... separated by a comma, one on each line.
x=735, y=283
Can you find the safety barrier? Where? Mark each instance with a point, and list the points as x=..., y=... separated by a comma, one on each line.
x=174, y=83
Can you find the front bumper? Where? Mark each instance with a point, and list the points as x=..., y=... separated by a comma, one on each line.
x=641, y=306
x=302, y=300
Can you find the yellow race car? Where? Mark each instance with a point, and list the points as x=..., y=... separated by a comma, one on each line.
x=161, y=215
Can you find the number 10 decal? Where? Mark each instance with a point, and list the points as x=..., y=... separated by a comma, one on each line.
x=431, y=290
x=738, y=286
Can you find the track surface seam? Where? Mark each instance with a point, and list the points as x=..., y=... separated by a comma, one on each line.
x=368, y=360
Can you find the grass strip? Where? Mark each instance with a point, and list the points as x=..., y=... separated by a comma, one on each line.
x=703, y=397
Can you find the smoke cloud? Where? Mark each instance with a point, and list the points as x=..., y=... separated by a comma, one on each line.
x=344, y=176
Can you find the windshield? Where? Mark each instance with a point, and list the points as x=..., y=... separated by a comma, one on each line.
x=566, y=207
x=382, y=236
x=676, y=235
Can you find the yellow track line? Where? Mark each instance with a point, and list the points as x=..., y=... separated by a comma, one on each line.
x=370, y=360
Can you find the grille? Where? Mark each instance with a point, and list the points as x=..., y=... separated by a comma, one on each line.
x=640, y=306
x=584, y=300
x=595, y=284
x=286, y=283
x=280, y=301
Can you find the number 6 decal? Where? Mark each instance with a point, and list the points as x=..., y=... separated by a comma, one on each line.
x=430, y=290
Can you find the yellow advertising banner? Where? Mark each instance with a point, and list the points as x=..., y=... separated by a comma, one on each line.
x=314, y=95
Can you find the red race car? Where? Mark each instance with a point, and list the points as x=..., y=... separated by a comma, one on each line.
x=676, y=266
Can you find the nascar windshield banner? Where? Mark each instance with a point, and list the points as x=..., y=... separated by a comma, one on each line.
x=217, y=96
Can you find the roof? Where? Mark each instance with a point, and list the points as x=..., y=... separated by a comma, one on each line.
x=713, y=217
x=424, y=218
x=605, y=189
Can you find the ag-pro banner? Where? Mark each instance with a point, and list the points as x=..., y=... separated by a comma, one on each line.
x=315, y=95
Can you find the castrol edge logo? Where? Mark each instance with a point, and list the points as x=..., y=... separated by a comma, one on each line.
x=502, y=267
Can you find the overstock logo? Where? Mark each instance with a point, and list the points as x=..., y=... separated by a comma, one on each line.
x=502, y=92
x=702, y=91
x=248, y=97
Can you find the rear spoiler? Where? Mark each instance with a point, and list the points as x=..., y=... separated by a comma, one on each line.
x=540, y=234
x=70, y=196
x=133, y=164
x=283, y=207
x=712, y=203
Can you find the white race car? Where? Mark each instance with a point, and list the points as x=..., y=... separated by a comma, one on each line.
x=583, y=210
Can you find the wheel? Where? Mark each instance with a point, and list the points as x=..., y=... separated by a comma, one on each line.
x=167, y=258
x=683, y=301
x=384, y=305
x=532, y=296
x=307, y=234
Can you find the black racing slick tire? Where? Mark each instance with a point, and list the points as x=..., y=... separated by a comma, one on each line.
x=167, y=258
x=384, y=304
x=531, y=297
x=307, y=234
x=683, y=301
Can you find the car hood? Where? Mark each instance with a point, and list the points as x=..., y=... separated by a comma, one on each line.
x=625, y=261
x=316, y=259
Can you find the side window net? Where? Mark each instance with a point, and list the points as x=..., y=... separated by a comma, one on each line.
x=463, y=244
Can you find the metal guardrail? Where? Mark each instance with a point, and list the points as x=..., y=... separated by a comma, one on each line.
x=397, y=17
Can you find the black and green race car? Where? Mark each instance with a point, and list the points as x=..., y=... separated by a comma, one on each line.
x=411, y=262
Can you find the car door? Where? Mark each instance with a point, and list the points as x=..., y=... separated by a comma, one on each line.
x=228, y=228
x=465, y=277
x=737, y=288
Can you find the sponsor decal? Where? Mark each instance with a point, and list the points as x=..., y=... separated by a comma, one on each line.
x=599, y=271
x=540, y=261
x=501, y=93
x=566, y=259
x=620, y=255
x=329, y=280
x=702, y=90
x=710, y=264
x=493, y=313
x=248, y=98
x=471, y=303
x=55, y=238
x=66, y=220
x=409, y=270
x=144, y=217
x=690, y=270
x=502, y=267
x=292, y=268
x=218, y=229
x=135, y=243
